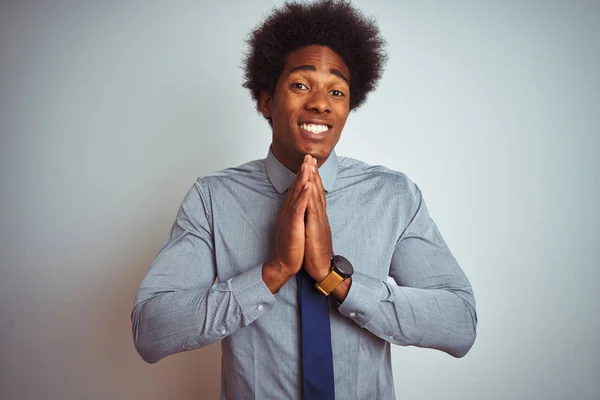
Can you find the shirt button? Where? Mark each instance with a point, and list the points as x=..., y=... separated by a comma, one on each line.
x=223, y=331
x=260, y=307
x=352, y=314
x=391, y=337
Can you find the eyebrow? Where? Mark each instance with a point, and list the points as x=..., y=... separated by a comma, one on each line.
x=308, y=67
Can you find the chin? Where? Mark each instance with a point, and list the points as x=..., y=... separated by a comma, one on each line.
x=316, y=151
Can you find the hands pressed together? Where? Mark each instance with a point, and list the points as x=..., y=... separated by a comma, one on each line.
x=303, y=235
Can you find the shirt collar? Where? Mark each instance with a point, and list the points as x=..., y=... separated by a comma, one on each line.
x=281, y=178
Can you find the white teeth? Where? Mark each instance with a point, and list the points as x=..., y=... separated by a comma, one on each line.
x=314, y=128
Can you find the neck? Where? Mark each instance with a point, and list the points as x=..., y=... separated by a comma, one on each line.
x=293, y=163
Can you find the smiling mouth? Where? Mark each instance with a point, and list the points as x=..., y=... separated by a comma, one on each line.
x=316, y=129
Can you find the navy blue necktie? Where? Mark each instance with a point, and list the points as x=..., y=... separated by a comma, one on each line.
x=317, y=357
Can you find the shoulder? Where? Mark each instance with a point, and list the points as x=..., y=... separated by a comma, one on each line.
x=379, y=184
x=375, y=176
x=227, y=185
x=251, y=173
x=229, y=180
x=251, y=170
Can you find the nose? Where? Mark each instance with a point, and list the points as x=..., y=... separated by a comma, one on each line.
x=318, y=101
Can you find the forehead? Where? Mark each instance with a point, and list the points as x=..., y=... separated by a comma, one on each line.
x=321, y=57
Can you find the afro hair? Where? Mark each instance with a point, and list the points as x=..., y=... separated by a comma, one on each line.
x=331, y=23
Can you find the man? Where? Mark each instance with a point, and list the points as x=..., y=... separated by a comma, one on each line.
x=243, y=238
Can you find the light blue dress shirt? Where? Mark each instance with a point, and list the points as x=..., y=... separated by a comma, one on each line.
x=206, y=286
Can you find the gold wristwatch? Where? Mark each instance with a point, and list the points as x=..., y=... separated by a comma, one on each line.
x=341, y=269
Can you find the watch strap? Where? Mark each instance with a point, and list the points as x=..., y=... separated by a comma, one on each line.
x=327, y=285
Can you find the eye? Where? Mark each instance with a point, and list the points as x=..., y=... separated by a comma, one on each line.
x=336, y=93
x=300, y=86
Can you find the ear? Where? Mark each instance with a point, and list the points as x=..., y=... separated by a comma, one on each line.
x=264, y=104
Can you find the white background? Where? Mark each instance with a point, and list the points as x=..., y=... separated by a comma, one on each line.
x=110, y=110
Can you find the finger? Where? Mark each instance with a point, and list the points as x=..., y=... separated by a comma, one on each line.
x=297, y=186
x=305, y=172
x=320, y=190
x=302, y=177
x=314, y=208
x=317, y=175
x=298, y=208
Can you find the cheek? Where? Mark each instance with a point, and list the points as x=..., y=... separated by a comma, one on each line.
x=342, y=117
x=285, y=111
x=286, y=118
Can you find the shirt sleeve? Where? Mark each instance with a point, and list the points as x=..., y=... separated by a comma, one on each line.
x=432, y=304
x=179, y=305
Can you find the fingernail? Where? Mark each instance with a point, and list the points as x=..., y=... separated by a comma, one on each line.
x=315, y=160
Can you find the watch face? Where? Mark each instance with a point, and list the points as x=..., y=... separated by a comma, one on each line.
x=342, y=266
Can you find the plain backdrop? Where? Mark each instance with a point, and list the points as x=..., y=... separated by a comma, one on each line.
x=110, y=110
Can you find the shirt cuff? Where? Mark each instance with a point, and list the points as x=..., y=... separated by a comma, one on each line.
x=252, y=294
x=363, y=298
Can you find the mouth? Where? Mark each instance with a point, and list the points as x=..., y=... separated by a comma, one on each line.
x=314, y=131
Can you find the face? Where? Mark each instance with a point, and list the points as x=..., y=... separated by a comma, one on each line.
x=310, y=105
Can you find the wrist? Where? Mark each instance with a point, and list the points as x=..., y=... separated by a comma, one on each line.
x=341, y=291
x=320, y=275
x=274, y=275
x=339, y=276
x=322, y=270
